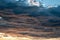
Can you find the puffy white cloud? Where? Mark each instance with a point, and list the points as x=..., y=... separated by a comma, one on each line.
x=33, y=3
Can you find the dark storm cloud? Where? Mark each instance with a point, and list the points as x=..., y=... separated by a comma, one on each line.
x=54, y=11
x=33, y=11
x=32, y=24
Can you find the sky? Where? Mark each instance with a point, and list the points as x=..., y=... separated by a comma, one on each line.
x=50, y=2
x=47, y=3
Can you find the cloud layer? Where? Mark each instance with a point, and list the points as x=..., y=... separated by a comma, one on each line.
x=29, y=20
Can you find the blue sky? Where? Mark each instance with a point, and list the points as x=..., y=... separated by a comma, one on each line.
x=50, y=2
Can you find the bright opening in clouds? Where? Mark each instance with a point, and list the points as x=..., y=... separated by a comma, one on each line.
x=50, y=2
x=17, y=0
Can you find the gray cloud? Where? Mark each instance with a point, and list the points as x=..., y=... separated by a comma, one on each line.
x=42, y=17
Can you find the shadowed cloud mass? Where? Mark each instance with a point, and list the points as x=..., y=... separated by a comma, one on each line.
x=35, y=21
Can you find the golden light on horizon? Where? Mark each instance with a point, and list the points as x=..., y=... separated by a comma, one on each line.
x=24, y=38
x=10, y=37
x=4, y=36
x=15, y=38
